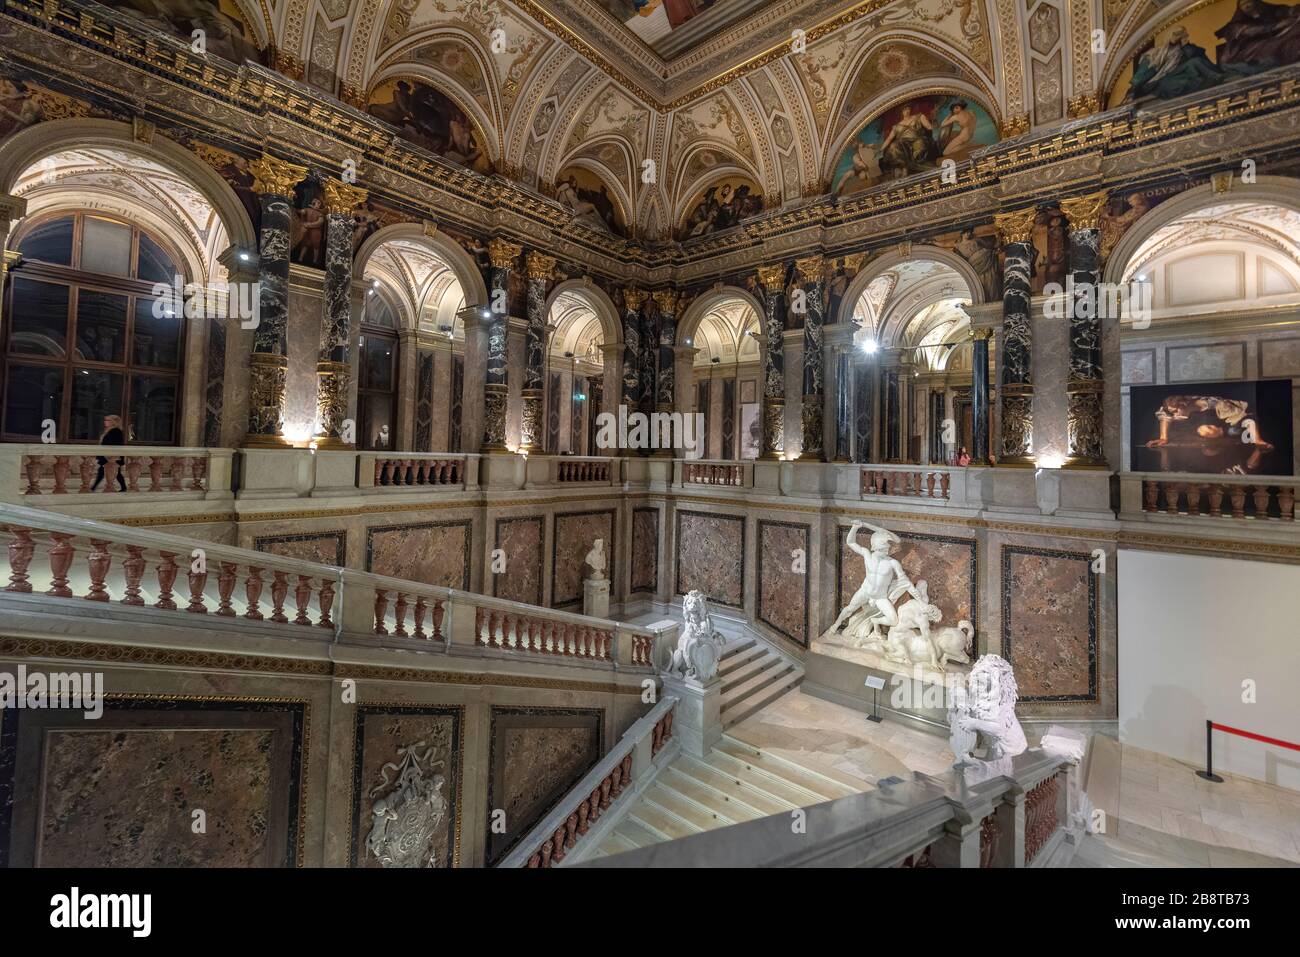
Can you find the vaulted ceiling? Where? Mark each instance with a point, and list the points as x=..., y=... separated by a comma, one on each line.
x=769, y=91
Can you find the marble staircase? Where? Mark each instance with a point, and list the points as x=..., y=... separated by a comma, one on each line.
x=753, y=676
x=736, y=782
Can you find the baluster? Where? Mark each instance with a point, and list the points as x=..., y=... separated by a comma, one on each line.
x=155, y=473
x=916, y=483
x=198, y=581
x=133, y=466
x=167, y=569
x=302, y=596
x=1216, y=500
x=1194, y=498
x=176, y=465
x=97, y=562
x=1237, y=494
x=133, y=568
x=379, y=472
x=1260, y=494
x=493, y=620
x=32, y=465
x=548, y=848
x=86, y=465
x=325, y=601
x=929, y=484
x=279, y=591
x=381, y=611
x=21, y=550
x=420, y=608
x=198, y=472
x=627, y=770
x=557, y=841
x=388, y=471
x=616, y=782
x=1286, y=502
x=226, y=588
x=62, y=466
x=111, y=468
x=439, y=609
x=582, y=818
x=1172, y=494
x=399, y=612
x=570, y=828
x=60, y=561
x=478, y=626
x=253, y=592
x=593, y=803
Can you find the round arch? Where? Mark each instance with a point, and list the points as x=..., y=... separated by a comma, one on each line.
x=450, y=251
x=1272, y=190
x=889, y=260
x=35, y=143
x=610, y=327
x=704, y=304
x=734, y=167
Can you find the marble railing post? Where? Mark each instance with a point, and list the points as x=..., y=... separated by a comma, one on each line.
x=814, y=370
x=496, y=385
x=1084, y=390
x=333, y=371
x=633, y=299
x=979, y=397
x=666, y=381
x=1016, y=389
x=540, y=269
x=773, y=281
x=268, y=369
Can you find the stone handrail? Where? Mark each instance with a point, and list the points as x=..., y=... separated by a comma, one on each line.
x=1012, y=815
x=572, y=470
x=28, y=472
x=1190, y=495
x=734, y=473
x=917, y=481
x=401, y=471
x=639, y=753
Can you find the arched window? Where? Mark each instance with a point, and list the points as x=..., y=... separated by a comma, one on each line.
x=377, y=373
x=86, y=338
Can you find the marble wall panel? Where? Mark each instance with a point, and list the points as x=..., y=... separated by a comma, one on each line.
x=711, y=556
x=1049, y=622
x=1279, y=358
x=536, y=755
x=575, y=532
x=121, y=791
x=783, y=578
x=326, y=548
x=645, y=549
x=435, y=553
x=520, y=541
x=946, y=563
x=1139, y=366
x=410, y=758
x=1206, y=363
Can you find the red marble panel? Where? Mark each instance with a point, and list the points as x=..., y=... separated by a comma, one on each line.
x=519, y=577
x=645, y=549
x=575, y=533
x=1049, y=623
x=435, y=553
x=711, y=556
x=946, y=563
x=783, y=578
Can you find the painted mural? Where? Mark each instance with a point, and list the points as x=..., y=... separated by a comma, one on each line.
x=429, y=118
x=652, y=20
x=722, y=205
x=913, y=137
x=226, y=32
x=1211, y=46
x=586, y=194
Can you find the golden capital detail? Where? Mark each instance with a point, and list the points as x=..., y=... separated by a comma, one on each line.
x=772, y=277
x=275, y=177
x=539, y=266
x=1017, y=227
x=633, y=299
x=341, y=197
x=1084, y=212
x=810, y=269
x=503, y=253
x=666, y=299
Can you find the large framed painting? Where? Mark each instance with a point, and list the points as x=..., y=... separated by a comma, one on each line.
x=429, y=118
x=1224, y=428
x=1211, y=45
x=913, y=137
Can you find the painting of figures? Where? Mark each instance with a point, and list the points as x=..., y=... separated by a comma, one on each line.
x=588, y=197
x=721, y=206
x=225, y=32
x=1210, y=46
x=429, y=118
x=913, y=137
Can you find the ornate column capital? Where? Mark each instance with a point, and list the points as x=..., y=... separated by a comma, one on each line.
x=772, y=277
x=1017, y=227
x=666, y=300
x=275, y=177
x=810, y=269
x=341, y=197
x=633, y=299
x=502, y=253
x=1084, y=212
x=538, y=265
x=11, y=208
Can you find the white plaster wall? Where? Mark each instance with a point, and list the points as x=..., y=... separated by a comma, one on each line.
x=1192, y=629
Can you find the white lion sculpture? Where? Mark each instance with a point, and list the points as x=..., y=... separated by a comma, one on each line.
x=699, y=647
x=987, y=708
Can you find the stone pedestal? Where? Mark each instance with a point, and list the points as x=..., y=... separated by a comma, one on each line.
x=595, y=597
x=698, y=719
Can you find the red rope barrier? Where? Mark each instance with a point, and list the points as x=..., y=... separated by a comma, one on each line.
x=1256, y=737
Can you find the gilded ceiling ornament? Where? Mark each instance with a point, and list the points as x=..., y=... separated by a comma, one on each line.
x=539, y=266
x=633, y=299
x=275, y=176
x=341, y=197
x=772, y=277
x=503, y=253
x=1017, y=227
x=810, y=269
x=1084, y=212
x=666, y=299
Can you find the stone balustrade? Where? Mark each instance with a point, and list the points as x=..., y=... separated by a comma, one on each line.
x=28, y=471
x=916, y=481
x=568, y=469
x=403, y=471
x=733, y=474
x=1268, y=498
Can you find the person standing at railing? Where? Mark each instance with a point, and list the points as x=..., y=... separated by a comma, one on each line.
x=112, y=435
x=963, y=457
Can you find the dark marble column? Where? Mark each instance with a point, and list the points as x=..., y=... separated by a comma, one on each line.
x=892, y=419
x=633, y=299
x=333, y=371
x=274, y=180
x=979, y=397
x=496, y=386
x=810, y=272
x=540, y=269
x=773, y=281
x=1084, y=391
x=863, y=407
x=666, y=381
x=1016, y=389
x=844, y=387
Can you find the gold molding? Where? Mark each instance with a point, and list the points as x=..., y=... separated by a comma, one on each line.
x=1084, y=212
x=502, y=253
x=1016, y=227
x=539, y=266
x=275, y=177
x=772, y=277
x=341, y=197
x=633, y=299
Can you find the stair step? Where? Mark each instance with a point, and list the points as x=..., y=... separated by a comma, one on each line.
x=755, y=684
x=795, y=774
x=680, y=806
x=667, y=826
x=741, y=658
x=790, y=794
x=738, y=711
x=749, y=670
x=761, y=802
x=613, y=844
x=636, y=835
x=716, y=802
x=737, y=646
